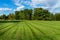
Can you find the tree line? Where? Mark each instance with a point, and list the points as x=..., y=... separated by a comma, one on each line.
x=29, y=14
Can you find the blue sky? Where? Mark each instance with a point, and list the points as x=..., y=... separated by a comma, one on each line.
x=9, y=6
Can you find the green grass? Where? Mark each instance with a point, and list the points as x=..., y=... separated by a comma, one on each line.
x=30, y=30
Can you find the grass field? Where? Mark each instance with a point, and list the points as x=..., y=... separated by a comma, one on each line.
x=30, y=30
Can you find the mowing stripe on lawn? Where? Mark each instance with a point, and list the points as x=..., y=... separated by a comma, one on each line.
x=35, y=32
x=10, y=35
x=3, y=31
x=52, y=23
x=28, y=35
x=19, y=33
x=48, y=37
x=56, y=32
x=14, y=33
x=48, y=26
x=5, y=26
x=30, y=30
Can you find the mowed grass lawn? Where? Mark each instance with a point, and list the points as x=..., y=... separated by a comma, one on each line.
x=30, y=30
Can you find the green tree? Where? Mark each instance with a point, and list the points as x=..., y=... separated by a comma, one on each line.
x=3, y=17
x=26, y=16
x=11, y=17
x=57, y=16
x=37, y=13
x=22, y=15
x=41, y=14
x=46, y=15
x=30, y=14
x=17, y=15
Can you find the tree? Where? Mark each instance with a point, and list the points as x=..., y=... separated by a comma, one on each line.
x=30, y=14
x=57, y=16
x=22, y=15
x=46, y=15
x=17, y=15
x=26, y=16
x=3, y=17
x=37, y=13
x=41, y=14
x=11, y=17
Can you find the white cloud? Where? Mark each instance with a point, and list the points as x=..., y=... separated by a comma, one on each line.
x=44, y=7
x=34, y=3
x=17, y=3
x=19, y=8
x=39, y=1
x=51, y=5
x=55, y=6
x=4, y=9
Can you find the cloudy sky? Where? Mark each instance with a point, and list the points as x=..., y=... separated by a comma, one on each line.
x=9, y=6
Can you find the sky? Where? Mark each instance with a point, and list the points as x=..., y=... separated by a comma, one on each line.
x=10, y=6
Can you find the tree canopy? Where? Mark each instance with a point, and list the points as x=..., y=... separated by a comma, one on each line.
x=27, y=14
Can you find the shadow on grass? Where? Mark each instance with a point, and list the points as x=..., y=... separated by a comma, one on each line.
x=9, y=21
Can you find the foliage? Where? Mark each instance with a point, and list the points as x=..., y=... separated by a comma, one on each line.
x=11, y=17
x=57, y=16
x=27, y=14
x=41, y=14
